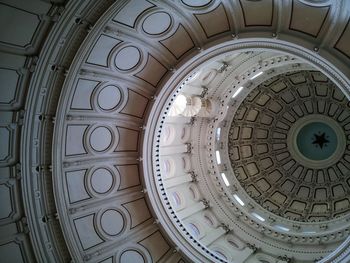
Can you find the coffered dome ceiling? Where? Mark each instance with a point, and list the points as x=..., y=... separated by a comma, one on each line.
x=174, y=131
x=220, y=188
x=272, y=150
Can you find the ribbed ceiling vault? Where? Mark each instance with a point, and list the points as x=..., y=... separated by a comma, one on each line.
x=80, y=80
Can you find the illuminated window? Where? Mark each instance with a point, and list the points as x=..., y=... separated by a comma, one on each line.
x=258, y=217
x=238, y=199
x=220, y=254
x=194, y=230
x=237, y=92
x=218, y=158
x=218, y=132
x=282, y=228
x=256, y=75
x=177, y=199
x=227, y=183
x=168, y=167
x=208, y=220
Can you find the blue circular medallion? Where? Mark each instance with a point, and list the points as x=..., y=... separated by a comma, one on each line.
x=317, y=141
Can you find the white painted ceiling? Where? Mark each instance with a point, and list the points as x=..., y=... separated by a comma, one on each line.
x=80, y=83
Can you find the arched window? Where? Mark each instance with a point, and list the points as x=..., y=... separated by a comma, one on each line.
x=177, y=199
x=220, y=254
x=168, y=134
x=194, y=230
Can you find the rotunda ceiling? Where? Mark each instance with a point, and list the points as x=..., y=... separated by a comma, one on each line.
x=208, y=166
x=287, y=144
x=98, y=164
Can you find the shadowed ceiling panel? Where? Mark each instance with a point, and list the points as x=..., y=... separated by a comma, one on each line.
x=342, y=44
x=308, y=19
x=136, y=104
x=9, y=79
x=129, y=140
x=6, y=139
x=14, y=251
x=131, y=11
x=153, y=71
x=76, y=186
x=138, y=211
x=129, y=176
x=100, y=53
x=156, y=245
x=75, y=145
x=17, y=20
x=172, y=43
x=13, y=79
x=86, y=231
x=257, y=13
x=214, y=22
x=82, y=94
x=7, y=195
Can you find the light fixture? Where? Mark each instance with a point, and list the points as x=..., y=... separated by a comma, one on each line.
x=225, y=179
x=237, y=92
x=309, y=232
x=238, y=199
x=218, y=132
x=282, y=228
x=218, y=158
x=256, y=75
x=258, y=217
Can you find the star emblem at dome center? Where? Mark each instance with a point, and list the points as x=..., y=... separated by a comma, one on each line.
x=320, y=140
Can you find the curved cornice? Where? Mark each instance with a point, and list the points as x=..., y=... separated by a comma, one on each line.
x=164, y=99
